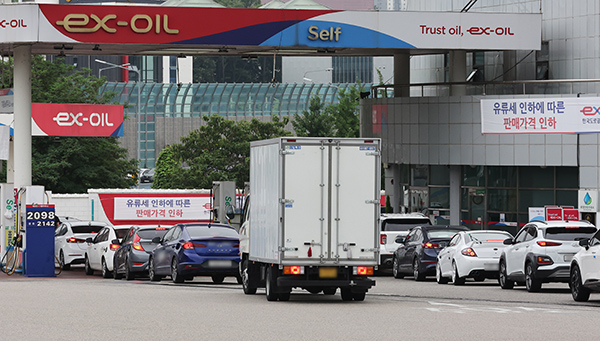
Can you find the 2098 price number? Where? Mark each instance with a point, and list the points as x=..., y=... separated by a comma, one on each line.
x=40, y=218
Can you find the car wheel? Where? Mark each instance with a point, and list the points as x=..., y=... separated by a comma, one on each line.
x=419, y=276
x=271, y=285
x=456, y=279
x=578, y=291
x=531, y=283
x=62, y=261
x=129, y=275
x=396, y=269
x=438, y=275
x=329, y=290
x=217, y=279
x=503, y=280
x=105, y=272
x=175, y=275
x=88, y=268
x=152, y=272
x=244, y=275
x=346, y=294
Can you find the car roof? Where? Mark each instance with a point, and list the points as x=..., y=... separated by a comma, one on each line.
x=403, y=215
x=207, y=225
x=561, y=223
x=445, y=227
x=84, y=223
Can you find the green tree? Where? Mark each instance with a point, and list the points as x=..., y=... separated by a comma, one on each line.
x=345, y=113
x=315, y=122
x=217, y=151
x=72, y=164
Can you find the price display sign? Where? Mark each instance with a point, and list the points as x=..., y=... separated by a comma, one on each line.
x=40, y=215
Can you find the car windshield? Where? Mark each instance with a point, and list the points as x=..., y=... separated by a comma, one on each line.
x=570, y=232
x=403, y=224
x=86, y=228
x=215, y=231
x=150, y=234
x=489, y=236
x=442, y=234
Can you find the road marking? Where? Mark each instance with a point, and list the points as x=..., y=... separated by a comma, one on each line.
x=440, y=307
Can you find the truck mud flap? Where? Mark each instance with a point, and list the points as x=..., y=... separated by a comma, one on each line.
x=360, y=283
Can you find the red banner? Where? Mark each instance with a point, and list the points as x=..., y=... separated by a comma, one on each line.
x=57, y=119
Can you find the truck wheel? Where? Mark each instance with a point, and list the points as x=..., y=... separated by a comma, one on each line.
x=245, y=279
x=271, y=285
x=346, y=294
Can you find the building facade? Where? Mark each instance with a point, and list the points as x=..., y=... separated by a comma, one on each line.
x=435, y=156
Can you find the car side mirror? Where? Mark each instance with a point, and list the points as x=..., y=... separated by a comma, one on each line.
x=115, y=241
x=399, y=240
x=508, y=241
x=156, y=240
x=89, y=240
x=584, y=242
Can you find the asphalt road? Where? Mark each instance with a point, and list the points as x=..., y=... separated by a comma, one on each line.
x=76, y=306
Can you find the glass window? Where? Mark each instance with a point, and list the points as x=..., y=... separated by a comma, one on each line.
x=567, y=234
x=490, y=237
x=439, y=175
x=445, y=233
x=169, y=235
x=504, y=200
x=536, y=177
x=455, y=240
x=502, y=176
x=120, y=233
x=567, y=198
x=439, y=197
x=521, y=236
x=533, y=198
x=567, y=177
x=403, y=224
x=86, y=228
x=473, y=176
x=418, y=176
x=215, y=231
x=151, y=233
x=595, y=240
x=531, y=233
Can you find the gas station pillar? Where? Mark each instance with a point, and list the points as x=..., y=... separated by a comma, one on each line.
x=22, y=128
x=458, y=72
x=402, y=75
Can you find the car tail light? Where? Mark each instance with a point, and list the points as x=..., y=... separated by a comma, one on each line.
x=545, y=243
x=236, y=246
x=544, y=260
x=430, y=245
x=202, y=245
x=160, y=229
x=571, y=227
x=75, y=240
x=136, y=243
x=188, y=245
x=383, y=239
x=113, y=247
x=293, y=270
x=469, y=252
x=363, y=270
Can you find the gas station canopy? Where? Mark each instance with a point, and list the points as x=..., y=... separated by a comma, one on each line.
x=163, y=30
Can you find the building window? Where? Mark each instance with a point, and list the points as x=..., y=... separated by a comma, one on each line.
x=541, y=61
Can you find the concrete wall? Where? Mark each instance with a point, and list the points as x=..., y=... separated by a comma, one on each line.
x=72, y=205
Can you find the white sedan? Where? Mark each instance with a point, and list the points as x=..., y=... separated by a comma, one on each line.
x=101, y=249
x=69, y=240
x=471, y=254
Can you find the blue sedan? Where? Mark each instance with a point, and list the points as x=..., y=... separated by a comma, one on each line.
x=196, y=249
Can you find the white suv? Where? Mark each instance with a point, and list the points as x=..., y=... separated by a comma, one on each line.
x=541, y=253
x=392, y=226
x=585, y=269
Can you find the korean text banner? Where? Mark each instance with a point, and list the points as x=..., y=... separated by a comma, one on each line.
x=540, y=115
x=162, y=208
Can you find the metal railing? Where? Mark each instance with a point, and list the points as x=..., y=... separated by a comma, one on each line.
x=518, y=87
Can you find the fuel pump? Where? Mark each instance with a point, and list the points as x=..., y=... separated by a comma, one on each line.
x=223, y=201
x=37, y=226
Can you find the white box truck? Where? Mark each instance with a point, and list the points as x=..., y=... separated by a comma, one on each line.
x=311, y=219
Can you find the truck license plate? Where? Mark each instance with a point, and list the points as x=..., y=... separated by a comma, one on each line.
x=328, y=272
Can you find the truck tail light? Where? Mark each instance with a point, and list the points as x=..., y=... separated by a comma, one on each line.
x=544, y=243
x=363, y=270
x=293, y=270
x=383, y=239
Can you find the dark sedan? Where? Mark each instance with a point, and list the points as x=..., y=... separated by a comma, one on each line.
x=196, y=249
x=131, y=258
x=417, y=253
